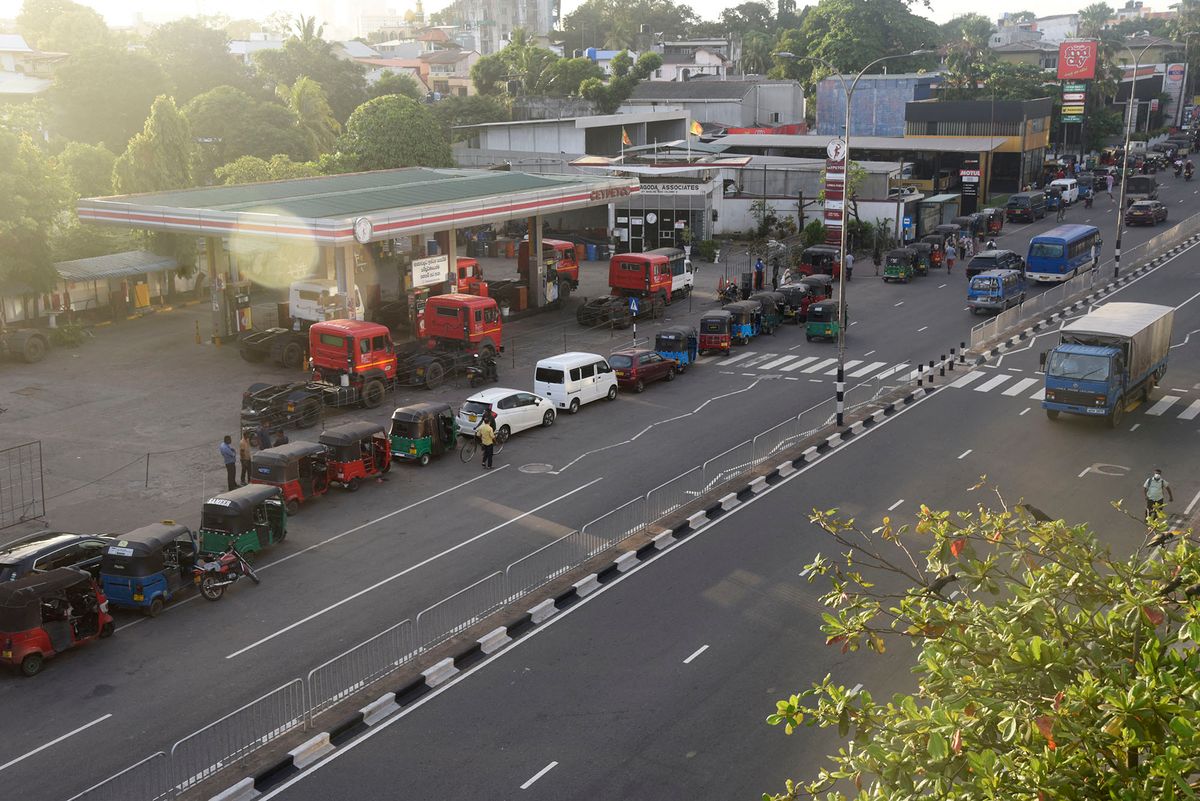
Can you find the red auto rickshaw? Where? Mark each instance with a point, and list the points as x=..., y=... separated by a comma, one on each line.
x=300, y=469
x=44, y=614
x=716, y=330
x=357, y=451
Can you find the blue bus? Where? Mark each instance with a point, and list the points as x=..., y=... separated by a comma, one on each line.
x=1060, y=253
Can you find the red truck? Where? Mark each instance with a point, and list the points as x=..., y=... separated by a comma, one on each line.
x=654, y=277
x=559, y=255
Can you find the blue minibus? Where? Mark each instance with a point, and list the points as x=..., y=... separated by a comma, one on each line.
x=1060, y=253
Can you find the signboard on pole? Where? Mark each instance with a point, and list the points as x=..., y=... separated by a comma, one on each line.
x=430, y=271
x=969, y=175
x=1077, y=61
x=835, y=191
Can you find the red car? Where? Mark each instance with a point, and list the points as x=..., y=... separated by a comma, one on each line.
x=637, y=368
x=1146, y=212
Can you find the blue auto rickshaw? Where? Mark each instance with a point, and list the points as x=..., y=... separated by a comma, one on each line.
x=147, y=567
x=746, y=319
x=680, y=343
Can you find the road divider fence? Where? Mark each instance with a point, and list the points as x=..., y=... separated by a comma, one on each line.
x=460, y=611
x=354, y=669
x=148, y=780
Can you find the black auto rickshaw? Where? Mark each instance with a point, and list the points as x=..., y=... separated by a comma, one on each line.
x=773, y=304
x=422, y=431
x=820, y=259
x=948, y=232
x=716, y=332
x=357, y=451
x=44, y=614
x=679, y=343
x=252, y=517
x=972, y=225
x=824, y=321
x=145, y=568
x=300, y=469
x=900, y=264
x=937, y=249
x=993, y=221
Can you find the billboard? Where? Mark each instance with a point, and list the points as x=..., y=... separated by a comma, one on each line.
x=1077, y=61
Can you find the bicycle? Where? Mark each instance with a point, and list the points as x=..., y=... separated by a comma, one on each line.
x=471, y=446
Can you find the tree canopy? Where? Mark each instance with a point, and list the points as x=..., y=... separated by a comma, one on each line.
x=252, y=169
x=60, y=25
x=394, y=131
x=87, y=169
x=1046, y=665
x=614, y=24
x=31, y=198
x=159, y=157
x=228, y=123
x=396, y=83
x=469, y=110
x=626, y=75
x=102, y=94
x=195, y=58
x=306, y=55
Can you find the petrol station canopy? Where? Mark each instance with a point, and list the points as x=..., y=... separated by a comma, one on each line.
x=364, y=207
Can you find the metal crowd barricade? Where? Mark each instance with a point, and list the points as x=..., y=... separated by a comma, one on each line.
x=460, y=611
x=221, y=743
x=148, y=780
x=618, y=525
x=728, y=464
x=776, y=438
x=351, y=670
x=671, y=495
x=549, y=562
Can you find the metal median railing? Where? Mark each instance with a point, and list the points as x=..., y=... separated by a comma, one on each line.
x=351, y=670
x=674, y=494
x=148, y=780
x=460, y=611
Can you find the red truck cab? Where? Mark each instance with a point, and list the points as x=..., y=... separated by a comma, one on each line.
x=353, y=348
x=470, y=277
x=470, y=321
x=640, y=275
x=558, y=254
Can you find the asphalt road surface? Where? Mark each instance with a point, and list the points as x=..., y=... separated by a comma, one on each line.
x=356, y=564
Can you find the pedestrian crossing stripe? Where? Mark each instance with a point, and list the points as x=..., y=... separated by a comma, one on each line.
x=797, y=365
x=1190, y=409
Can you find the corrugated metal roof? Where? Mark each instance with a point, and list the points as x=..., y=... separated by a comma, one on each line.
x=951, y=144
x=14, y=43
x=114, y=265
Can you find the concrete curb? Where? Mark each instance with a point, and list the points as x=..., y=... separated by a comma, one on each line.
x=311, y=750
x=242, y=791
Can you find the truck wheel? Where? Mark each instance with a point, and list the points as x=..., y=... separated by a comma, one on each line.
x=487, y=350
x=292, y=357
x=34, y=349
x=31, y=665
x=372, y=394
x=1052, y=414
x=435, y=374
x=1118, y=413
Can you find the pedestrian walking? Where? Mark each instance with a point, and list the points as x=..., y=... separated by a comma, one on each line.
x=244, y=456
x=759, y=274
x=951, y=257
x=263, y=435
x=877, y=260
x=1154, y=488
x=229, y=457
x=487, y=438
x=849, y=265
x=1061, y=214
x=1108, y=183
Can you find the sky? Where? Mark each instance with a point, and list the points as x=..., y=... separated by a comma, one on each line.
x=122, y=12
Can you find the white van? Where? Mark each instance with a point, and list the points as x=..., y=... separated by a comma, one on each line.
x=1069, y=187
x=570, y=380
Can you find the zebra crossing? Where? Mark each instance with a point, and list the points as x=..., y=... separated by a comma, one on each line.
x=1014, y=385
x=793, y=364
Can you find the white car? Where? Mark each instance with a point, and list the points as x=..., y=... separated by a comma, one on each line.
x=515, y=410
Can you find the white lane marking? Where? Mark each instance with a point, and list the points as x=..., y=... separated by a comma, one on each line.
x=968, y=378
x=54, y=742
x=1039, y=395
x=790, y=378
x=801, y=363
x=1086, y=470
x=894, y=505
x=1192, y=505
x=1186, y=338
x=898, y=305
x=849, y=364
x=739, y=357
x=760, y=359
x=854, y=322
x=705, y=359
x=868, y=353
x=943, y=286
x=405, y=571
x=868, y=369
x=1136, y=426
x=1191, y=411
x=922, y=328
x=1025, y=412
x=748, y=375
x=963, y=455
x=539, y=775
x=854, y=690
x=776, y=363
x=890, y=371
x=821, y=365
x=996, y=381
x=699, y=651
x=816, y=380
x=1164, y=404
x=1019, y=387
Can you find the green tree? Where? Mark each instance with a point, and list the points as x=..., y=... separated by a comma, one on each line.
x=626, y=75
x=32, y=196
x=194, y=58
x=87, y=169
x=314, y=118
x=615, y=24
x=1056, y=669
x=394, y=131
x=159, y=158
x=757, y=50
x=968, y=57
x=566, y=75
x=749, y=17
x=29, y=117
x=306, y=55
x=60, y=25
x=227, y=123
x=76, y=240
x=396, y=83
x=252, y=169
x=101, y=95
x=1093, y=18
x=470, y=110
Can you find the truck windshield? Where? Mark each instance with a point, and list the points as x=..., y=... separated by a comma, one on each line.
x=1078, y=367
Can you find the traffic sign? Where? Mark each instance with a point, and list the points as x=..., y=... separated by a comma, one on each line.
x=1074, y=87
x=633, y=305
x=1073, y=109
x=1069, y=97
x=1072, y=118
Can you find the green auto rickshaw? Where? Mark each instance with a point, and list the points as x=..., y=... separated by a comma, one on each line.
x=823, y=320
x=422, y=431
x=252, y=516
x=773, y=304
x=900, y=264
x=924, y=252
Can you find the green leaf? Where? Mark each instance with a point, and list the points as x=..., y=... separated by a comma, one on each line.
x=1035, y=645
x=938, y=749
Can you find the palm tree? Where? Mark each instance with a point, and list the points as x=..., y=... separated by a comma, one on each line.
x=1093, y=18
x=307, y=30
x=756, y=53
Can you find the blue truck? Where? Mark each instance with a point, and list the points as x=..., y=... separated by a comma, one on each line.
x=1108, y=359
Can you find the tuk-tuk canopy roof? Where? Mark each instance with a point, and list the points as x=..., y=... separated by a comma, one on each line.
x=677, y=332
x=822, y=306
x=947, y=228
x=351, y=433
x=241, y=500
x=816, y=278
x=21, y=600
x=716, y=313
x=921, y=247
x=934, y=239
x=822, y=249
x=421, y=411
x=153, y=537
x=286, y=454
x=745, y=306
x=770, y=294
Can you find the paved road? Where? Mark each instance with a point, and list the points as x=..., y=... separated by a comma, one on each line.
x=356, y=564
x=665, y=677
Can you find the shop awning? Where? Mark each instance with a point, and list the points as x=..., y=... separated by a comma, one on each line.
x=114, y=265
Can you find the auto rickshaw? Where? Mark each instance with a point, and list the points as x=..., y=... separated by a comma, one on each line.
x=772, y=304
x=746, y=320
x=716, y=329
x=147, y=567
x=1054, y=198
x=358, y=451
x=44, y=614
x=937, y=249
x=422, y=431
x=900, y=264
x=924, y=252
x=823, y=321
x=948, y=231
x=820, y=259
x=994, y=219
x=679, y=343
x=300, y=469
x=971, y=224
x=252, y=517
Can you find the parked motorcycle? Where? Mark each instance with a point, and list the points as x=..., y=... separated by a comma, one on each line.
x=728, y=292
x=215, y=575
x=483, y=369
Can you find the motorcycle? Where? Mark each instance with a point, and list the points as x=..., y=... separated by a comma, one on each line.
x=483, y=369
x=215, y=575
x=1187, y=174
x=728, y=293
x=1087, y=200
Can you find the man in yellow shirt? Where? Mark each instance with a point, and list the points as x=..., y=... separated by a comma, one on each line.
x=487, y=438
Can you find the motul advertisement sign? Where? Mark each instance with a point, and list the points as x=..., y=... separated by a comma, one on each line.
x=1077, y=61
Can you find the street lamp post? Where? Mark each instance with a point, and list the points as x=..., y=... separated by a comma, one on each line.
x=1137, y=61
x=840, y=385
